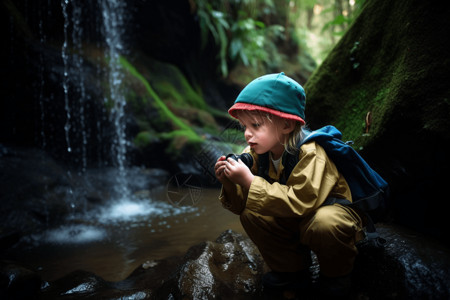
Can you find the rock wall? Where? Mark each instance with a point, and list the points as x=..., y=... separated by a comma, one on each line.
x=393, y=62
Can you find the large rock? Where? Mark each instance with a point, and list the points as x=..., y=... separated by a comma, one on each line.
x=17, y=282
x=394, y=63
x=409, y=266
x=141, y=284
x=229, y=268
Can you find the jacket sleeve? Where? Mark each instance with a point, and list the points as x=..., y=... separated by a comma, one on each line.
x=312, y=180
x=234, y=201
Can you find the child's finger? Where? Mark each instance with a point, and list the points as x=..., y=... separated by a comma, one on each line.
x=231, y=161
x=221, y=158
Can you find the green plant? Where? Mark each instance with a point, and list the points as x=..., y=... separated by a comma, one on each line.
x=253, y=42
x=237, y=31
x=342, y=20
x=248, y=41
x=214, y=22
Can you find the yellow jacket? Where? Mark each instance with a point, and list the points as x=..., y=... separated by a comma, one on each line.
x=313, y=179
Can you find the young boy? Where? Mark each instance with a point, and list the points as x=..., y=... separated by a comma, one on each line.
x=286, y=218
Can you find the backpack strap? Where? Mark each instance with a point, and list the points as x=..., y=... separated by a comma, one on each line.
x=263, y=166
x=289, y=162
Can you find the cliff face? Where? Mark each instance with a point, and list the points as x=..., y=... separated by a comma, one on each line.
x=393, y=62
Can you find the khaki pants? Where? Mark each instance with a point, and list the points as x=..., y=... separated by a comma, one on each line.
x=284, y=243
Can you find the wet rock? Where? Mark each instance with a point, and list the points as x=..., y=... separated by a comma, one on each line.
x=409, y=266
x=229, y=268
x=76, y=284
x=32, y=185
x=141, y=284
x=17, y=282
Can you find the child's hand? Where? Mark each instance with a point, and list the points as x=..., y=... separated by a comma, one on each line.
x=238, y=173
x=219, y=169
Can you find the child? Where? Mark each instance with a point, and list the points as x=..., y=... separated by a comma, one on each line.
x=286, y=218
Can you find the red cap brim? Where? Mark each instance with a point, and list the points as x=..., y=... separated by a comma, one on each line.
x=247, y=106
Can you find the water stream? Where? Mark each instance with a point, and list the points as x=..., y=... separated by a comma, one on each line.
x=116, y=239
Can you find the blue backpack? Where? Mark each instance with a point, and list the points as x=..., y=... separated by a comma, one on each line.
x=369, y=190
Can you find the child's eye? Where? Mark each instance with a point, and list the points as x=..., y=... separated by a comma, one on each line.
x=256, y=125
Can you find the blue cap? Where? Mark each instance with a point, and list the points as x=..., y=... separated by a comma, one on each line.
x=273, y=93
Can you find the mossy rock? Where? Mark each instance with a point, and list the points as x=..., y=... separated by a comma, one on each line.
x=164, y=106
x=394, y=62
x=170, y=83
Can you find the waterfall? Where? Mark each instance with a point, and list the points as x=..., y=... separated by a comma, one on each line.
x=65, y=57
x=77, y=14
x=113, y=12
x=69, y=82
x=70, y=199
x=77, y=38
x=42, y=40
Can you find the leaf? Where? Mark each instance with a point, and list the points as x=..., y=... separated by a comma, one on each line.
x=244, y=58
x=260, y=24
x=235, y=48
x=339, y=20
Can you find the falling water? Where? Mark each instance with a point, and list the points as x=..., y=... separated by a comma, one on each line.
x=113, y=12
x=70, y=199
x=77, y=36
x=80, y=127
x=65, y=57
x=77, y=133
x=42, y=39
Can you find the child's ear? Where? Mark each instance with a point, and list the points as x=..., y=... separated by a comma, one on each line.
x=289, y=126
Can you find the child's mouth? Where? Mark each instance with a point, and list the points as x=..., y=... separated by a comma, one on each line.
x=252, y=145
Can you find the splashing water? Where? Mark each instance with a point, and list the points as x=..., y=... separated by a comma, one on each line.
x=73, y=234
x=96, y=225
x=132, y=210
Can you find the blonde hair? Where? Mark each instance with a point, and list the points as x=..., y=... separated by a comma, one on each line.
x=294, y=137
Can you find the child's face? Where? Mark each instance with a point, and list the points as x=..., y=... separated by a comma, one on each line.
x=262, y=134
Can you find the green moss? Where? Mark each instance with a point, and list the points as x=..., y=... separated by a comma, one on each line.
x=171, y=84
x=218, y=113
x=180, y=139
x=189, y=134
x=182, y=135
x=162, y=108
x=183, y=96
x=145, y=138
x=370, y=70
